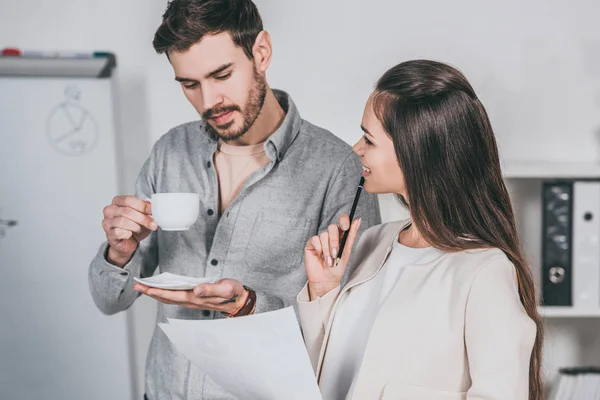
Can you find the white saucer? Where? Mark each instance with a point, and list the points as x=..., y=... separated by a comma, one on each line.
x=170, y=281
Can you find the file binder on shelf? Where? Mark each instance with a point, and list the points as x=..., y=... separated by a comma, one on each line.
x=582, y=383
x=557, y=203
x=586, y=244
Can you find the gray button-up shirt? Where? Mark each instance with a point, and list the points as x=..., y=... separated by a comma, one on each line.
x=259, y=240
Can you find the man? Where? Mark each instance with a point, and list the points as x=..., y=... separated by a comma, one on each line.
x=267, y=180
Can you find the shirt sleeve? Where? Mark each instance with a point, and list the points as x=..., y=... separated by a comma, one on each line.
x=112, y=287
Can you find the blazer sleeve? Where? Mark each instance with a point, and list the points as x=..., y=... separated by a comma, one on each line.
x=314, y=316
x=499, y=335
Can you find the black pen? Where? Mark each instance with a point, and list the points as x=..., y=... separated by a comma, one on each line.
x=352, y=211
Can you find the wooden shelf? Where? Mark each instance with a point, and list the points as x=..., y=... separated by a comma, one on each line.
x=569, y=312
x=515, y=169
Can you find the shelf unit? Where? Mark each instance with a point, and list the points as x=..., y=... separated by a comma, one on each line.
x=549, y=170
x=568, y=312
x=571, y=334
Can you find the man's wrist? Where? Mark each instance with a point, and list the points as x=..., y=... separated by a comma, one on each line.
x=247, y=305
x=115, y=258
x=239, y=302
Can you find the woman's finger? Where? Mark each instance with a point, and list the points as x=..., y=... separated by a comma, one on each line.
x=324, y=237
x=350, y=241
x=334, y=240
x=315, y=245
x=344, y=222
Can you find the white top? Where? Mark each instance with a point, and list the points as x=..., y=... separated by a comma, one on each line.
x=354, y=319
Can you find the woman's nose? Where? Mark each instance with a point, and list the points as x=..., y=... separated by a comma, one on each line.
x=358, y=149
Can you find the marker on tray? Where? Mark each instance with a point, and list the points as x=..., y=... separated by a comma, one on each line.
x=15, y=52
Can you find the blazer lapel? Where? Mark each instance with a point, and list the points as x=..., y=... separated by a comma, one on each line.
x=368, y=263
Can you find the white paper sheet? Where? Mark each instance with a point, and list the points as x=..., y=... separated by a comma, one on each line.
x=260, y=356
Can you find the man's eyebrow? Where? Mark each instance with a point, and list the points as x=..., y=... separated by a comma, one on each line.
x=218, y=70
x=209, y=75
x=182, y=80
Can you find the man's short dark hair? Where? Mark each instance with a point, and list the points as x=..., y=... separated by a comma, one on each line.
x=186, y=22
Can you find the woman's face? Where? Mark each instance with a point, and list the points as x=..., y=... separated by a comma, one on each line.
x=378, y=157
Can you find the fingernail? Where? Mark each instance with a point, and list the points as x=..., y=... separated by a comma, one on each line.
x=345, y=226
x=359, y=222
x=329, y=261
x=334, y=252
x=153, y=225
x=198, y=292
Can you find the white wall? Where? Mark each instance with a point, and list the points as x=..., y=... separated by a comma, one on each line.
x=535, y=65
x=126, y=28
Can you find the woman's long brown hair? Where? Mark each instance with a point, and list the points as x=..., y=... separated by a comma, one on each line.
x=449, y=157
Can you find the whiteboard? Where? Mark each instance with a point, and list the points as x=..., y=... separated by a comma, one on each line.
x=57, y=172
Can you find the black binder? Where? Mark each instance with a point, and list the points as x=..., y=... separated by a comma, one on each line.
x=557, y=235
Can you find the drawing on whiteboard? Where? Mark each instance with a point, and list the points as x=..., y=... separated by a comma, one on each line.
x=71, y=129
x=4, y=225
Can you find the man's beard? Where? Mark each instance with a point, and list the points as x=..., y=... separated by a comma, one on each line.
x=250, y=112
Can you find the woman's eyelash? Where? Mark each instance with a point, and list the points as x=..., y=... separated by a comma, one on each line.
x=367, y=141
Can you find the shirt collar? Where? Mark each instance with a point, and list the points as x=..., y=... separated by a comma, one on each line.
x=279, y=142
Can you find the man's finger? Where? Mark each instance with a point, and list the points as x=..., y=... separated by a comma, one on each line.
x=117, y=234
x=163, y=300
x=127, y=224
x=131, y=202
x=139, y=217
x=120, y=228
x=175, y=296
x=110, y=211
x=138, y=287
x=222, y=290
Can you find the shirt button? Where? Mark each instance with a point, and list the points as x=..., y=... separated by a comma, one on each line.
x=210, y=212
x=208, y=164
x=214, y=262
x=206, y=313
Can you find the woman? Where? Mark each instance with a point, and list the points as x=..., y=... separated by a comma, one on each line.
x=441, y=306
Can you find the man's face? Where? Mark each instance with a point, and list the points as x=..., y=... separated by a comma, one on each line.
x=222, y=83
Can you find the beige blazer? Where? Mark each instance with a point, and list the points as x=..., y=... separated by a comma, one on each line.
x=451, y=329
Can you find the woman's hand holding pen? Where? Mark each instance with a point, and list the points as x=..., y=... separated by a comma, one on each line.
x=325, y=267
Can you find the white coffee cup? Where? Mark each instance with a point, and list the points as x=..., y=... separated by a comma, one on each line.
x=175, y=211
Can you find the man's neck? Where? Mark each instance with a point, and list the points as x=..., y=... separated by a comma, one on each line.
x=269, y=119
